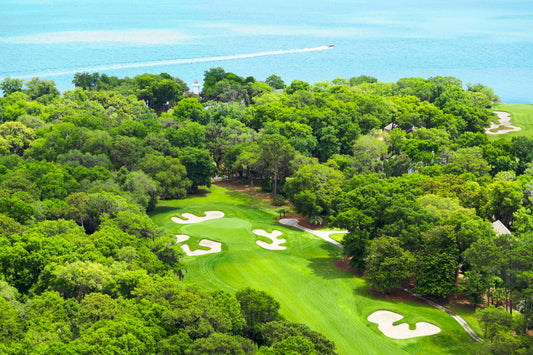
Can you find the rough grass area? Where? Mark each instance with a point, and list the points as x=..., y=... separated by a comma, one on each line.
x=302, y=278
x=521, y=116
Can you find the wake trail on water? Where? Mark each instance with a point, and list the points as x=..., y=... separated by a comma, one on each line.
x=180, y=61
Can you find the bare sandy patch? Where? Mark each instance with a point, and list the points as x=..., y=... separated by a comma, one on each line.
x=385, y=320
x=325, y=235
x=273, y=237
x=214, y=247
x=504, y=126
x=191, y=218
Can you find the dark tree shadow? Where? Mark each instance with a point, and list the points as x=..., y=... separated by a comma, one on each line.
x=163, y=209
x=199, y=193
x=324, y=267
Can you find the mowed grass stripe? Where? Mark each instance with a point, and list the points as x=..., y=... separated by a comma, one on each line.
x=302, y=278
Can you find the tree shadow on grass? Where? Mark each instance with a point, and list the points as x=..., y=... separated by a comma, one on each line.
x=163, y=209
x=199, y=193
x=324, y=267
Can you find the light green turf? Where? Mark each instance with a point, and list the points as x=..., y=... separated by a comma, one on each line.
x=521, y=116
x=302, y=278
x=469, y=315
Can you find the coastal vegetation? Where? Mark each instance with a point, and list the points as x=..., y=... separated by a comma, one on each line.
x=90, y=178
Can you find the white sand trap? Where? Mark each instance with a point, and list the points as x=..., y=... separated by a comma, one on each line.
x=214, y=247
x=384, y=320
x=273, y=237
x=321, y=234
x=505, y=125
x=195, y=219
x=181, y=238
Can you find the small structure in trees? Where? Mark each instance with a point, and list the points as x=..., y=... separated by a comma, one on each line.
x=500, y=228
x=196, y=88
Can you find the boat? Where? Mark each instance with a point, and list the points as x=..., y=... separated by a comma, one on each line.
x=331, y=46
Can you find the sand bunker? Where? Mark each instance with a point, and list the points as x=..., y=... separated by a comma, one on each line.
x=321, y=234
x=504, y=126
x=385, y=319
x=273, y=237
x=195, y=219
x=214, y=247
x=181, y=238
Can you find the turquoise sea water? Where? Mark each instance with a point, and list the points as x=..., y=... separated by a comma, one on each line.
x=485, y=41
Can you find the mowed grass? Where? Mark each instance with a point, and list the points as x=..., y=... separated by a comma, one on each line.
x=302, y=278
x=521, y=116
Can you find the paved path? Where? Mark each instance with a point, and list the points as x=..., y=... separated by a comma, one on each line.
x=454, y=315
x=321, y=234
x=325, y=235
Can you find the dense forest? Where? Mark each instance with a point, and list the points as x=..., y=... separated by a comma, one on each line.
x=405, y=167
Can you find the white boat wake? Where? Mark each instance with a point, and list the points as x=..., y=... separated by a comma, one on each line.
x=179, y=61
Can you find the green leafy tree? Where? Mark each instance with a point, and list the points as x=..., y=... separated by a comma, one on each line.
x=297, y=85
x=85, y=80
x=257, y=307
x=387, y=264
x=312, y=187
x=275, y=82
x=189, y=134
x=169, y=173
x=41, y=89
x=291, y=345
x=468, y=160
x=485, y=90
x=493, y=319
x=220, y=343
x=124, y=334
x=158, y=91
x=418, y=87
x=190, y=109
x=436, y=266
x=362, y=79
x=11, y=85
x=48, y=321
x=79, y=278
x=78, y=207
x=505, y=198
x=275, y=156
x=17, y=209
x=328, y=143
x=96, y=306
x=9, y=226
x=143, y=189
x=200, y=167
x=126, y=151
x=10, y=322
x=277, y=331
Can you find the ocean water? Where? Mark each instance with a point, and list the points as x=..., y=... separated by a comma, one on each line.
x=486, y=41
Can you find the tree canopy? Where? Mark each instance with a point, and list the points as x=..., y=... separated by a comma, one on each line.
x=405, y=167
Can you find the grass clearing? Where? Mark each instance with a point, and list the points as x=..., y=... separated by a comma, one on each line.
x=521, y=116
x=302, y=278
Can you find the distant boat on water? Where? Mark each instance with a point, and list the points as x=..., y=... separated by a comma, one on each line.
x=331, y=46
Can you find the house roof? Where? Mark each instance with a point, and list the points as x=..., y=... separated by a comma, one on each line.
x=390, y=126
x=500, y=228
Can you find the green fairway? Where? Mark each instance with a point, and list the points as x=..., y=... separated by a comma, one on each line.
x=521, y=116
x=302, y=278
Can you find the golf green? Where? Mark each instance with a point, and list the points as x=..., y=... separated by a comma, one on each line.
x=303, y=277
